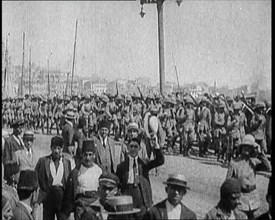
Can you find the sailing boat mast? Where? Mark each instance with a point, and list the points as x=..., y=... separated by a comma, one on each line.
x=30, y=72
x=74, y=58
x=21, y=84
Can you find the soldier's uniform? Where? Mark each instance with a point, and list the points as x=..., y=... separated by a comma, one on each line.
x=219, y=134
x=234, y=134
x=204, y=127
x=188, y=135
x=57, y=113
x=35, y=114
x=258, y=126
x=43, y=114
x=27, y=111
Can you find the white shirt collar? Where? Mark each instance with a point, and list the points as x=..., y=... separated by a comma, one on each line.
x=101, y=140
x=69, y=122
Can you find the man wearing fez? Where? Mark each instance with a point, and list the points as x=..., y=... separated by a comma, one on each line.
x=53, y=172
x=27, y=158
x=82, y=184
x=172, y=207
x=27, y=189
x=133, y=174
x=109, y=152
x=108, y=187
x=230, y=193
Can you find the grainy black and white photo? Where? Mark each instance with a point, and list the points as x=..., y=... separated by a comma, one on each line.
x=136, y=110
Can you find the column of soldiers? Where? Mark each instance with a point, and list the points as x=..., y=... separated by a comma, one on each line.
x=85, y=160
x=216, y=122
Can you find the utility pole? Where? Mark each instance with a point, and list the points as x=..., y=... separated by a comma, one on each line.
x=74, y=58
x=6, y=69
x=30, y=71
x=161, y=46
x=49, y=91
x=21, y=84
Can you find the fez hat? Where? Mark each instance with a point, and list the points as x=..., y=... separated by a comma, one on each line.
x=28, y=180
x=133, y=126
x=57, y=141
x=177, y=180
x=108, y=179
x=104, y=124
x=230, y=186
x=29, y=135
x=17, y=123
x=120, y=205
x=88, y=145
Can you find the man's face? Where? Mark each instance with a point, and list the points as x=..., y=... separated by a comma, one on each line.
x=105, y=192
x=246, y=150
x=232, y=201
x=88, y=158
x=104, y=132
x=132, y=133
x=175, y=194
x=28, y=142
x=133, y=148
x=18, y=130
x=57, y=152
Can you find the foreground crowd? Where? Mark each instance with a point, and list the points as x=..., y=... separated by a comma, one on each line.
x=95, y=176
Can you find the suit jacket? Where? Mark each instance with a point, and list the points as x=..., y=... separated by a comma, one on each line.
x=117, y=152
x=264, y=216
x=159, y=211
x=67, y=135
x=143, y=167
x=44, y=174
x=25, y=162
x=21, y=213
x=10, y=146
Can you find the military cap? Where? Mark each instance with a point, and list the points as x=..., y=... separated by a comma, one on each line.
x=128, y=98
x=104, y=98
x=133, y=126
x=108, y=179
x=188, y=100
x=119, y=98
x=150, y=96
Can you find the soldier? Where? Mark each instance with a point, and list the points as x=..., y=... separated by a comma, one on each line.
x=113, y=109
x=49, y=109
x=219, y=137
x=57, y=113
x=188, y=135
x=27, y=109
x=233, y=128
x=244, y=168
x=204, y=127
x=258, y=125
x=43, y=114
x=35, y=113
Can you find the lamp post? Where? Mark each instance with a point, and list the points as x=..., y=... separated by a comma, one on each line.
x=160, y=37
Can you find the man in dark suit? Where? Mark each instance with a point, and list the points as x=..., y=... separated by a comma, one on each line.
x=68, y=130
x=134, y=174
x=172, y=207
x=12, y=144
x=53, y=172
x=109, y=152
x=27, y=191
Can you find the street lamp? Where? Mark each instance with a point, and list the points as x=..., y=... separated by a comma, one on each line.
x=160, y=36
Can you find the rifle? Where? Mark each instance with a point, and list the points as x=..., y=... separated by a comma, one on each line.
x=226, y=105
x=194, y=100
x=141, y=96
x=116, y=90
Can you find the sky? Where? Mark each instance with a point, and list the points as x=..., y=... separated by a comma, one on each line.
x=224, y=41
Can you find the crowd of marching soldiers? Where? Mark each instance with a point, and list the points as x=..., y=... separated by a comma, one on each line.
x=217, y=123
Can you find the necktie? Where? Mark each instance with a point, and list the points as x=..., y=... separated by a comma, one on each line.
x=136, y=177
